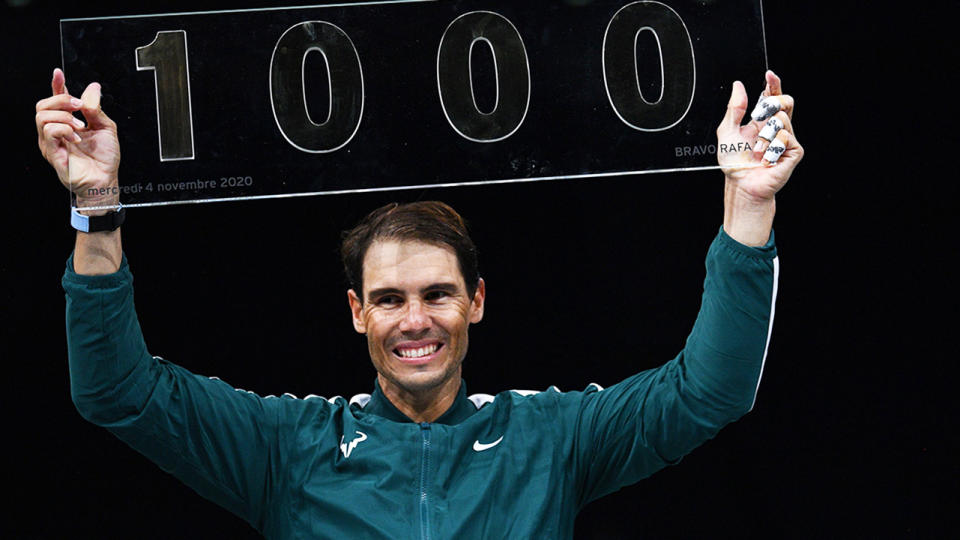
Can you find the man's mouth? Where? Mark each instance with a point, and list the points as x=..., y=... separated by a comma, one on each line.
x=417, y=351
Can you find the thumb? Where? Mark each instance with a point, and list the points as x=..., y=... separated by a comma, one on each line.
x=736, y=108
x=59, y=82
x=90, y=108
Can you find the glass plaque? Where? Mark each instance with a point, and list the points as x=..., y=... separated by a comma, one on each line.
x=350, y=97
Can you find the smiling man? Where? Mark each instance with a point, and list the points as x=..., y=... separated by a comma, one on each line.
x=407, y=266
x=417, y=458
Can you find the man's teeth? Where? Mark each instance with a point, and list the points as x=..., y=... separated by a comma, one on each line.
x=417, y=353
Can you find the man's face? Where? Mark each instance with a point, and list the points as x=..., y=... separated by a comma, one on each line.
x=415, y=313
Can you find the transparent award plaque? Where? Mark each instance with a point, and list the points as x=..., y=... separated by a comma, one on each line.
x=351, y=97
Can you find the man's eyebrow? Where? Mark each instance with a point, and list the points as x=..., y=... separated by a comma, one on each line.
x=445, y=287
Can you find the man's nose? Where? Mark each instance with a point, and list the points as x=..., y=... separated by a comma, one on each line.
x=415, y=317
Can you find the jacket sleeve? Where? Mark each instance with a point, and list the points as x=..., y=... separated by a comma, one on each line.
x=220, y=441
x=650, y=420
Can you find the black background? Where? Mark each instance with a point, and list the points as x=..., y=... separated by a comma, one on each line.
x=854, y=430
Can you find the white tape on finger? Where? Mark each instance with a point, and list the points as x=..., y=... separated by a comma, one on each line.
x=767, y=107
x=770, y=129
x=774, y=151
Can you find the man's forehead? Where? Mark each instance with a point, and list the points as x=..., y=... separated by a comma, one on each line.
x=409, y=263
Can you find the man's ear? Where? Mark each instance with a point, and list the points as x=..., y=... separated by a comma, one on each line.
x=476, y=305
x=356, y=308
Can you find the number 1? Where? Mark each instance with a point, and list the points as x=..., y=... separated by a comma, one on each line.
x=166, y=56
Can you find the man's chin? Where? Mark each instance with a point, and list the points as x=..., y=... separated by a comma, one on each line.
x=419, y=381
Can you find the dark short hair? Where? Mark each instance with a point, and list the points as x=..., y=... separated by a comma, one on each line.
x=432, y=222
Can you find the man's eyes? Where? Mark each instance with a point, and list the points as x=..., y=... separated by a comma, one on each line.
x=395, y=300
x=433, y=296
x=388, y=300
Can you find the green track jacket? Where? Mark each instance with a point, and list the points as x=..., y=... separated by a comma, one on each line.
x=514, y=465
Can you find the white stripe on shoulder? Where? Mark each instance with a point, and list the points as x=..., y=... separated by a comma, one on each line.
x=526, y=393
x=773, y=305
x=360, y=399
x=479, y=400
x=286, y=394
x=599, y=388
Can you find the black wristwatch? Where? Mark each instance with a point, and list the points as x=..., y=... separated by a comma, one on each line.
x=107, y=222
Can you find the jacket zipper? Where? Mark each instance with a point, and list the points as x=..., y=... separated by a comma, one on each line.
x=424, y=466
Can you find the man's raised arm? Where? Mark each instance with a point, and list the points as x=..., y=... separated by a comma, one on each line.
x=86, y=156
x=222, y=442
x=650, y=420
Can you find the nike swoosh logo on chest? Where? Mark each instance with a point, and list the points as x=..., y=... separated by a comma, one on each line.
x=480, y=447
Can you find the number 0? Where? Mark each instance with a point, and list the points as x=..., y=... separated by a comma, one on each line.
x=455, y=76
x=344, y=76
x=677, y=67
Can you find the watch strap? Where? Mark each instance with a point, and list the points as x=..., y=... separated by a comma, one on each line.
x=107, y=222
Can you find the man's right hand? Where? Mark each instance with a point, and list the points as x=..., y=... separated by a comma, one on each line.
x=86, y=156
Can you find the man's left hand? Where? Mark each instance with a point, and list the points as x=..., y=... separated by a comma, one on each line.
x=756, y=168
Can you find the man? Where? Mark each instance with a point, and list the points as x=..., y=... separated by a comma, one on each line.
x=418, y=457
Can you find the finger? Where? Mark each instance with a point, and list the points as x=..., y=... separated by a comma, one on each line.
x=770, y=106
x=784, y=148
x=59, y=82
x=767, y=135
x=58, y=117
x=786, y=105
x=773, y=87
x=91, y=107
x=765, y=108
x=769, y=132
x=793, y=153
x=736, y=108
x=61, y=102
x=51, y=132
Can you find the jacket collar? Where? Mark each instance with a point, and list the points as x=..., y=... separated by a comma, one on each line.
x=461, y=409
